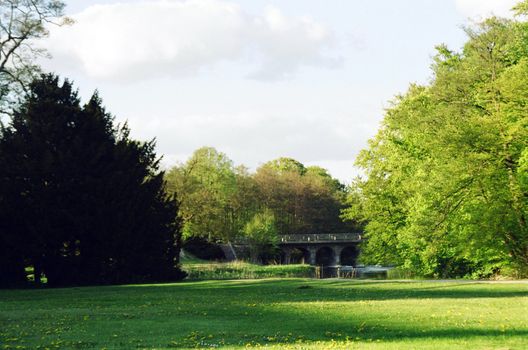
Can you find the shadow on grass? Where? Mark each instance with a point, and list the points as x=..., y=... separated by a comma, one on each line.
x=233, y=313
x=296, y=318
x=313, y=290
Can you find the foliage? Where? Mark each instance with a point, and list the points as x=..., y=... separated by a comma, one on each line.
x=205, y=187
x=261, y=234
x=202, y=248
x=80, y=201
x=445, y=193
x=21, y=23
x=303, y=200
x=244, y=270
x=285, y=165
x=272, y=314
x=219, y=200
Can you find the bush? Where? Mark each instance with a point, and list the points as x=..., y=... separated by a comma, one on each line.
x=203, y=249
x=244, y=270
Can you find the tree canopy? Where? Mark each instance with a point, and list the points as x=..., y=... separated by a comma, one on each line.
x=445, y=192
x=80, y=201
x=303, y=199
x=205, y=186
x=225, y=203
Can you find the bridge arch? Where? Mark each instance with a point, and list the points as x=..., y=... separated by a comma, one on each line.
x=299, y=255
x=296, y=255
x=325, y=256
x=325, y=249
x=348, y=256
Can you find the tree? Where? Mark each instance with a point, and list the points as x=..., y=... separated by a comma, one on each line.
x=445, y=194
x=21, y=23
x=219, y=200
x=303, y=199
x=261, y=234
x=285, y=165
x=205, y=186
x=81, y=202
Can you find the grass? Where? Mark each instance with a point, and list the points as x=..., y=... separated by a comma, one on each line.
x=276, y=313
x=205, y=270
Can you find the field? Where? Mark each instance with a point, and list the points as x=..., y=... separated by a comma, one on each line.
x=271, y=313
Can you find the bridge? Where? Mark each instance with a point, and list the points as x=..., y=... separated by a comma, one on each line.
x=325, y=249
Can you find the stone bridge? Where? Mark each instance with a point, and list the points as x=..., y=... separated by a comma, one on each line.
x=324, y=249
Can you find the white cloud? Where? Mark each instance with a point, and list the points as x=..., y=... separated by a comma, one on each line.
x=177, y=37
x=480, y=9
x=253, y=138
x=285, y=43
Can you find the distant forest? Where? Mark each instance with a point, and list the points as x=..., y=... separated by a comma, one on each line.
x=221, y=202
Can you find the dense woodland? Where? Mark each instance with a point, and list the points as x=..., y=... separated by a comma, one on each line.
x=446, y=186
x=221, y=202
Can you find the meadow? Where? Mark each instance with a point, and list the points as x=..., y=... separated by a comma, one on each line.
x=271, y=313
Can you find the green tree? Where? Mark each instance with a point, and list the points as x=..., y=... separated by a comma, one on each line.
x=81, y=201
x=262, y=236
x=303, y=199
x=444, y=191
x=285, y=165
x=219, y=200
x=205, y=186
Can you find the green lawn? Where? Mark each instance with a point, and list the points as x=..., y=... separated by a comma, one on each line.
x=279, y=313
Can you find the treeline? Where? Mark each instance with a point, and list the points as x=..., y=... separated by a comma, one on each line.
x=221, y=202
x=80, y=202
x=446, y=188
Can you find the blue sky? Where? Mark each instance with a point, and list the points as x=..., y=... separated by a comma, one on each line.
x=259, y=79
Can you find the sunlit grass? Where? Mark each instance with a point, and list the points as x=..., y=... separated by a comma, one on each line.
x=278, y=314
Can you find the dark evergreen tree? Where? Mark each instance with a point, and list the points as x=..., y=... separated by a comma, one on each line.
x=79, y=200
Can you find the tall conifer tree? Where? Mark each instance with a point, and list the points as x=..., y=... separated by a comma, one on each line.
x=81, y=201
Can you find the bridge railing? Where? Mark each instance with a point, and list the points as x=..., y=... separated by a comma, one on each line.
x=320, y=238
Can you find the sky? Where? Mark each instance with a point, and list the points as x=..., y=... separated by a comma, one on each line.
x=259, y=79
